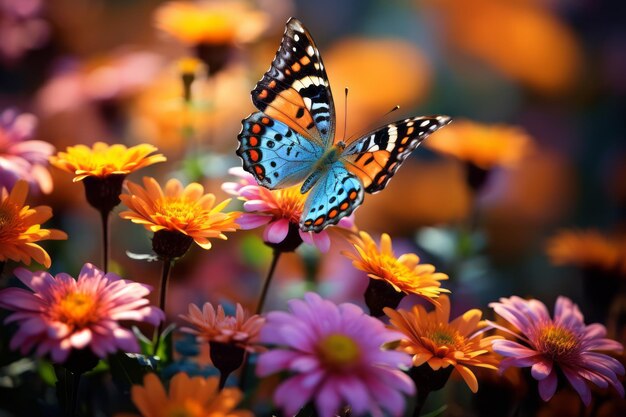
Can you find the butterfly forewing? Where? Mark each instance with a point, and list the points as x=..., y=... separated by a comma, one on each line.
x=295, y=89
x=335, y=195
x=275, y=153
x=375, y=157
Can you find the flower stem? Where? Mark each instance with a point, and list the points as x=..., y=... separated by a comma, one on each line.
x=2, y=266
x=268, y=280
x=165, y=276
x=422, y=395
x=104, y=215
x=73, y=400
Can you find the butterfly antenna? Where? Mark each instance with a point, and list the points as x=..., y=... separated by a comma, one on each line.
x=345, y=115
x=372, y=125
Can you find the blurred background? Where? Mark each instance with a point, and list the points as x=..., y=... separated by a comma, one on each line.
x=524, y=193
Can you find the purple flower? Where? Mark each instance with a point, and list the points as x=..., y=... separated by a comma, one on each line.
x=564, y=342
x=63, y=313
x=20, y=157
x=334, y=353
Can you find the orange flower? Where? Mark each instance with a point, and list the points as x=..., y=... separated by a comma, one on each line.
x=20, y=227
x=587, y=248
x=404, y=274
x=192, y=397
x=187, y=211
x=432, y=339
x=483, y=145
x=103, y=160
x=211, y=22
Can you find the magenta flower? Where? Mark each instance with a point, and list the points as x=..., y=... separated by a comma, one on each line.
x=64, y=314
x=334, y=352
x=564, y=342
x=278, y=209
x=20, y=157
x=21, y=28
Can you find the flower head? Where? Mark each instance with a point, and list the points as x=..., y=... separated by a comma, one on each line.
x=564, y=342
x=62, y=314
x=193, y=397
x=336, y=356
x=405, y=273
x=587, y=249
x=102, y=160
x=20, y=227
x=433, y=339
x=483, y=145
x=280, y=210
x=178, y=211
x=240, y=330
x=211, y=22
x=21, y=157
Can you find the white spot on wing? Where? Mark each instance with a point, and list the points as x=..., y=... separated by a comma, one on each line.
x=424, y=123
x=310, y=50
x=307, y=102
x=296, y=37
x=392, y=131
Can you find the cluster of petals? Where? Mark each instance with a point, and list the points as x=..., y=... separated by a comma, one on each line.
x=186, y=210
x=215, y=326
x=278, y=209
x=430, y=337
x=20, y=227
x=188, y=396
x=335, y=357
x=405, y=273
x=62, y=313
x=20, y=156
x=564, y=343
x=587, y=249
x=102, y=160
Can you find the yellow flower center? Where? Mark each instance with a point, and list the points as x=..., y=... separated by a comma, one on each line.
x=290, y=204
x=76, y=309
x=179, y=209
x=10, y=224
x=189, y=408
x=557, y=342
x=393, y=271
x=339, y=351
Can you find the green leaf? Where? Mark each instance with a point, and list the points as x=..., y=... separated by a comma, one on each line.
x=129, y=368
x=436, y=412
x=45, y=370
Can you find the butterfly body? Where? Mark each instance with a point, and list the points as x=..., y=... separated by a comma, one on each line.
x=291, y=140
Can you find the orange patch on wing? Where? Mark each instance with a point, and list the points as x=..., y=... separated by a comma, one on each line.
x=254, y=155
x=392, y=166
x=289, y=102
x=404, y=140
x=333, y=213
x=381, y=157
x=319, y=221
x=410, y=130
x=262, y=94
x=343, y=206
x=265, y=120
x=305, y=60
x=253, y=141
x=258, y=169
x=256, y=128
x=352, y=195
x=272, y=84
x=308, y=223
x=296, y=66
x=381, y=180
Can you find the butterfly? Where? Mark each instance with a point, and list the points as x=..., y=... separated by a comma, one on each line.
x=291, y=139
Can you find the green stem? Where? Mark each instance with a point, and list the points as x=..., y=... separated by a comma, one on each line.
x=104, y=215
x=73, y=403
x=268, y=280
x=165, y=276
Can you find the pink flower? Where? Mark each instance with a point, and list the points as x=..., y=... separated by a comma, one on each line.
x=64, y=314
x=21, y=28
x=336, y=356
x=20, y=157
x=564, y=342
x=278, y=209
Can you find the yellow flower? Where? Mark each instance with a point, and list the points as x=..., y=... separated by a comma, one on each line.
x=189, y=397
x=187, y=211
x=103, y=160
x=483, y=145
x=211, y=22
x=20, y=227
x=432, y=339
x=404, y=274
x=587, y=248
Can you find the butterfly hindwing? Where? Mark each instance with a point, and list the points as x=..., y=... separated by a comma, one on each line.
x=295, y=89
x=274, y=153
x=375, y=157
x=335, y=195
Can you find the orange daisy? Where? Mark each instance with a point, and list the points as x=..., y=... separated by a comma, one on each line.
x=211, y=22
x=432, y=339
x=587, y=248
x=177, y=210
x=20, y=227
x=405, y=273
x=192, y=397
x=103, y=160
x=483, y=145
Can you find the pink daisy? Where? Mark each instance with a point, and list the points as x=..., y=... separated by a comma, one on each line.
x=334, y=352
x=20, y=157
x=280, y=210
x=64, y=314
x=564, y=342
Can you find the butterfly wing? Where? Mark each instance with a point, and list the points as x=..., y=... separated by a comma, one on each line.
x=275, y=153
x=375, y=157
x=295, y=89
x=335, y=195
